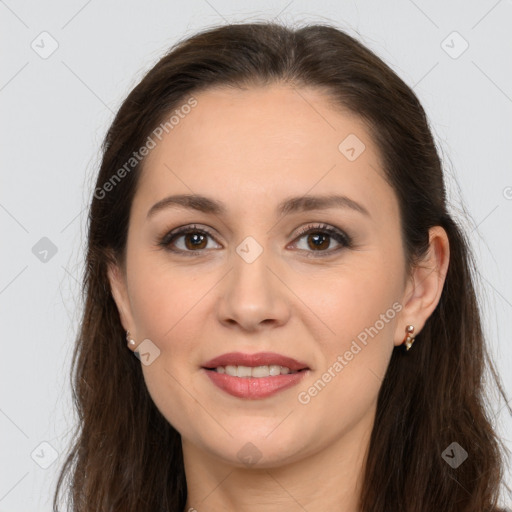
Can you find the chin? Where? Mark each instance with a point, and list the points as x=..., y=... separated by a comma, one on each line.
x=252, y=449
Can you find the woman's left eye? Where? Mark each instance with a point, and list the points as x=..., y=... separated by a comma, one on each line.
x=318, y=239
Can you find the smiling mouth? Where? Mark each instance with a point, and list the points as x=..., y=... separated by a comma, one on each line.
x=272, y=370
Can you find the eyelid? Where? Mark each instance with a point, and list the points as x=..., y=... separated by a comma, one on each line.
x=341, y=237
x=318, y=227
x=165, y=240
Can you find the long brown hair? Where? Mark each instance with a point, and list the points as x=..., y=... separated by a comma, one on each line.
x=125, y=455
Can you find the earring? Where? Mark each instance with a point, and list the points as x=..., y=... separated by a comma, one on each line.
x=130, y=341
x=409, y=338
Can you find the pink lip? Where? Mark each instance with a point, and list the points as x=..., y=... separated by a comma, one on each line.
x=253, y=387
x=259, y=359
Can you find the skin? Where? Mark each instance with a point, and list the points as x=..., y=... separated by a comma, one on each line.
x=251, y=149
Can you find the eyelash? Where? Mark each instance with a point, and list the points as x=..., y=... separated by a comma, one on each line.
x=339, y=236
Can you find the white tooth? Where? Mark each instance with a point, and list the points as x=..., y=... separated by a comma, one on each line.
x=244, y=371
x=231, y=370
x=256, y=371
x=274, y=369
x=261, y=371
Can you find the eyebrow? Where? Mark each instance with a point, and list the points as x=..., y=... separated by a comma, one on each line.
x=290, y=205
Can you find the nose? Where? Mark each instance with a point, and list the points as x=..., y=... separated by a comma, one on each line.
x=253, y=295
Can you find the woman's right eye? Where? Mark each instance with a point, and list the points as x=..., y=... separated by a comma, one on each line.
x=193, y=240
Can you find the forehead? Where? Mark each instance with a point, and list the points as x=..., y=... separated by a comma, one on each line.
x=261, y=144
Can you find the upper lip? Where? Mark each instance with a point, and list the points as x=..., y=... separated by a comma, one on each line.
x=258, y=359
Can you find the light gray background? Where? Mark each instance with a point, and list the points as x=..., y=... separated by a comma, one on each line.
x=55, y=112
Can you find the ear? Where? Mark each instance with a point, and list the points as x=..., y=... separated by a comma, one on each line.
x=119, y=289
x=424, y=287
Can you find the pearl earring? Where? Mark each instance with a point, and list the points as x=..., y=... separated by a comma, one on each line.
x=409, y=338
x=131, y=342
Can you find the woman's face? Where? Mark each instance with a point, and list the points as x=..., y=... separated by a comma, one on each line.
x=321, y=282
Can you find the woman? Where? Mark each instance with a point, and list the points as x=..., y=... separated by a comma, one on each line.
x=269, y=235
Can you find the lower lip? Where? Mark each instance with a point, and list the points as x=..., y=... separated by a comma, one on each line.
x=254, y=388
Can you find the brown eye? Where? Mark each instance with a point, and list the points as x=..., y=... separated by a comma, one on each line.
x=319, y=239
x=194, y=240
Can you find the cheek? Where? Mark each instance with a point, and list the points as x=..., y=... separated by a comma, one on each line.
x=163, y=297
x=359, y=311
x=355, y=301
x=362, y=314
x=165, y=306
